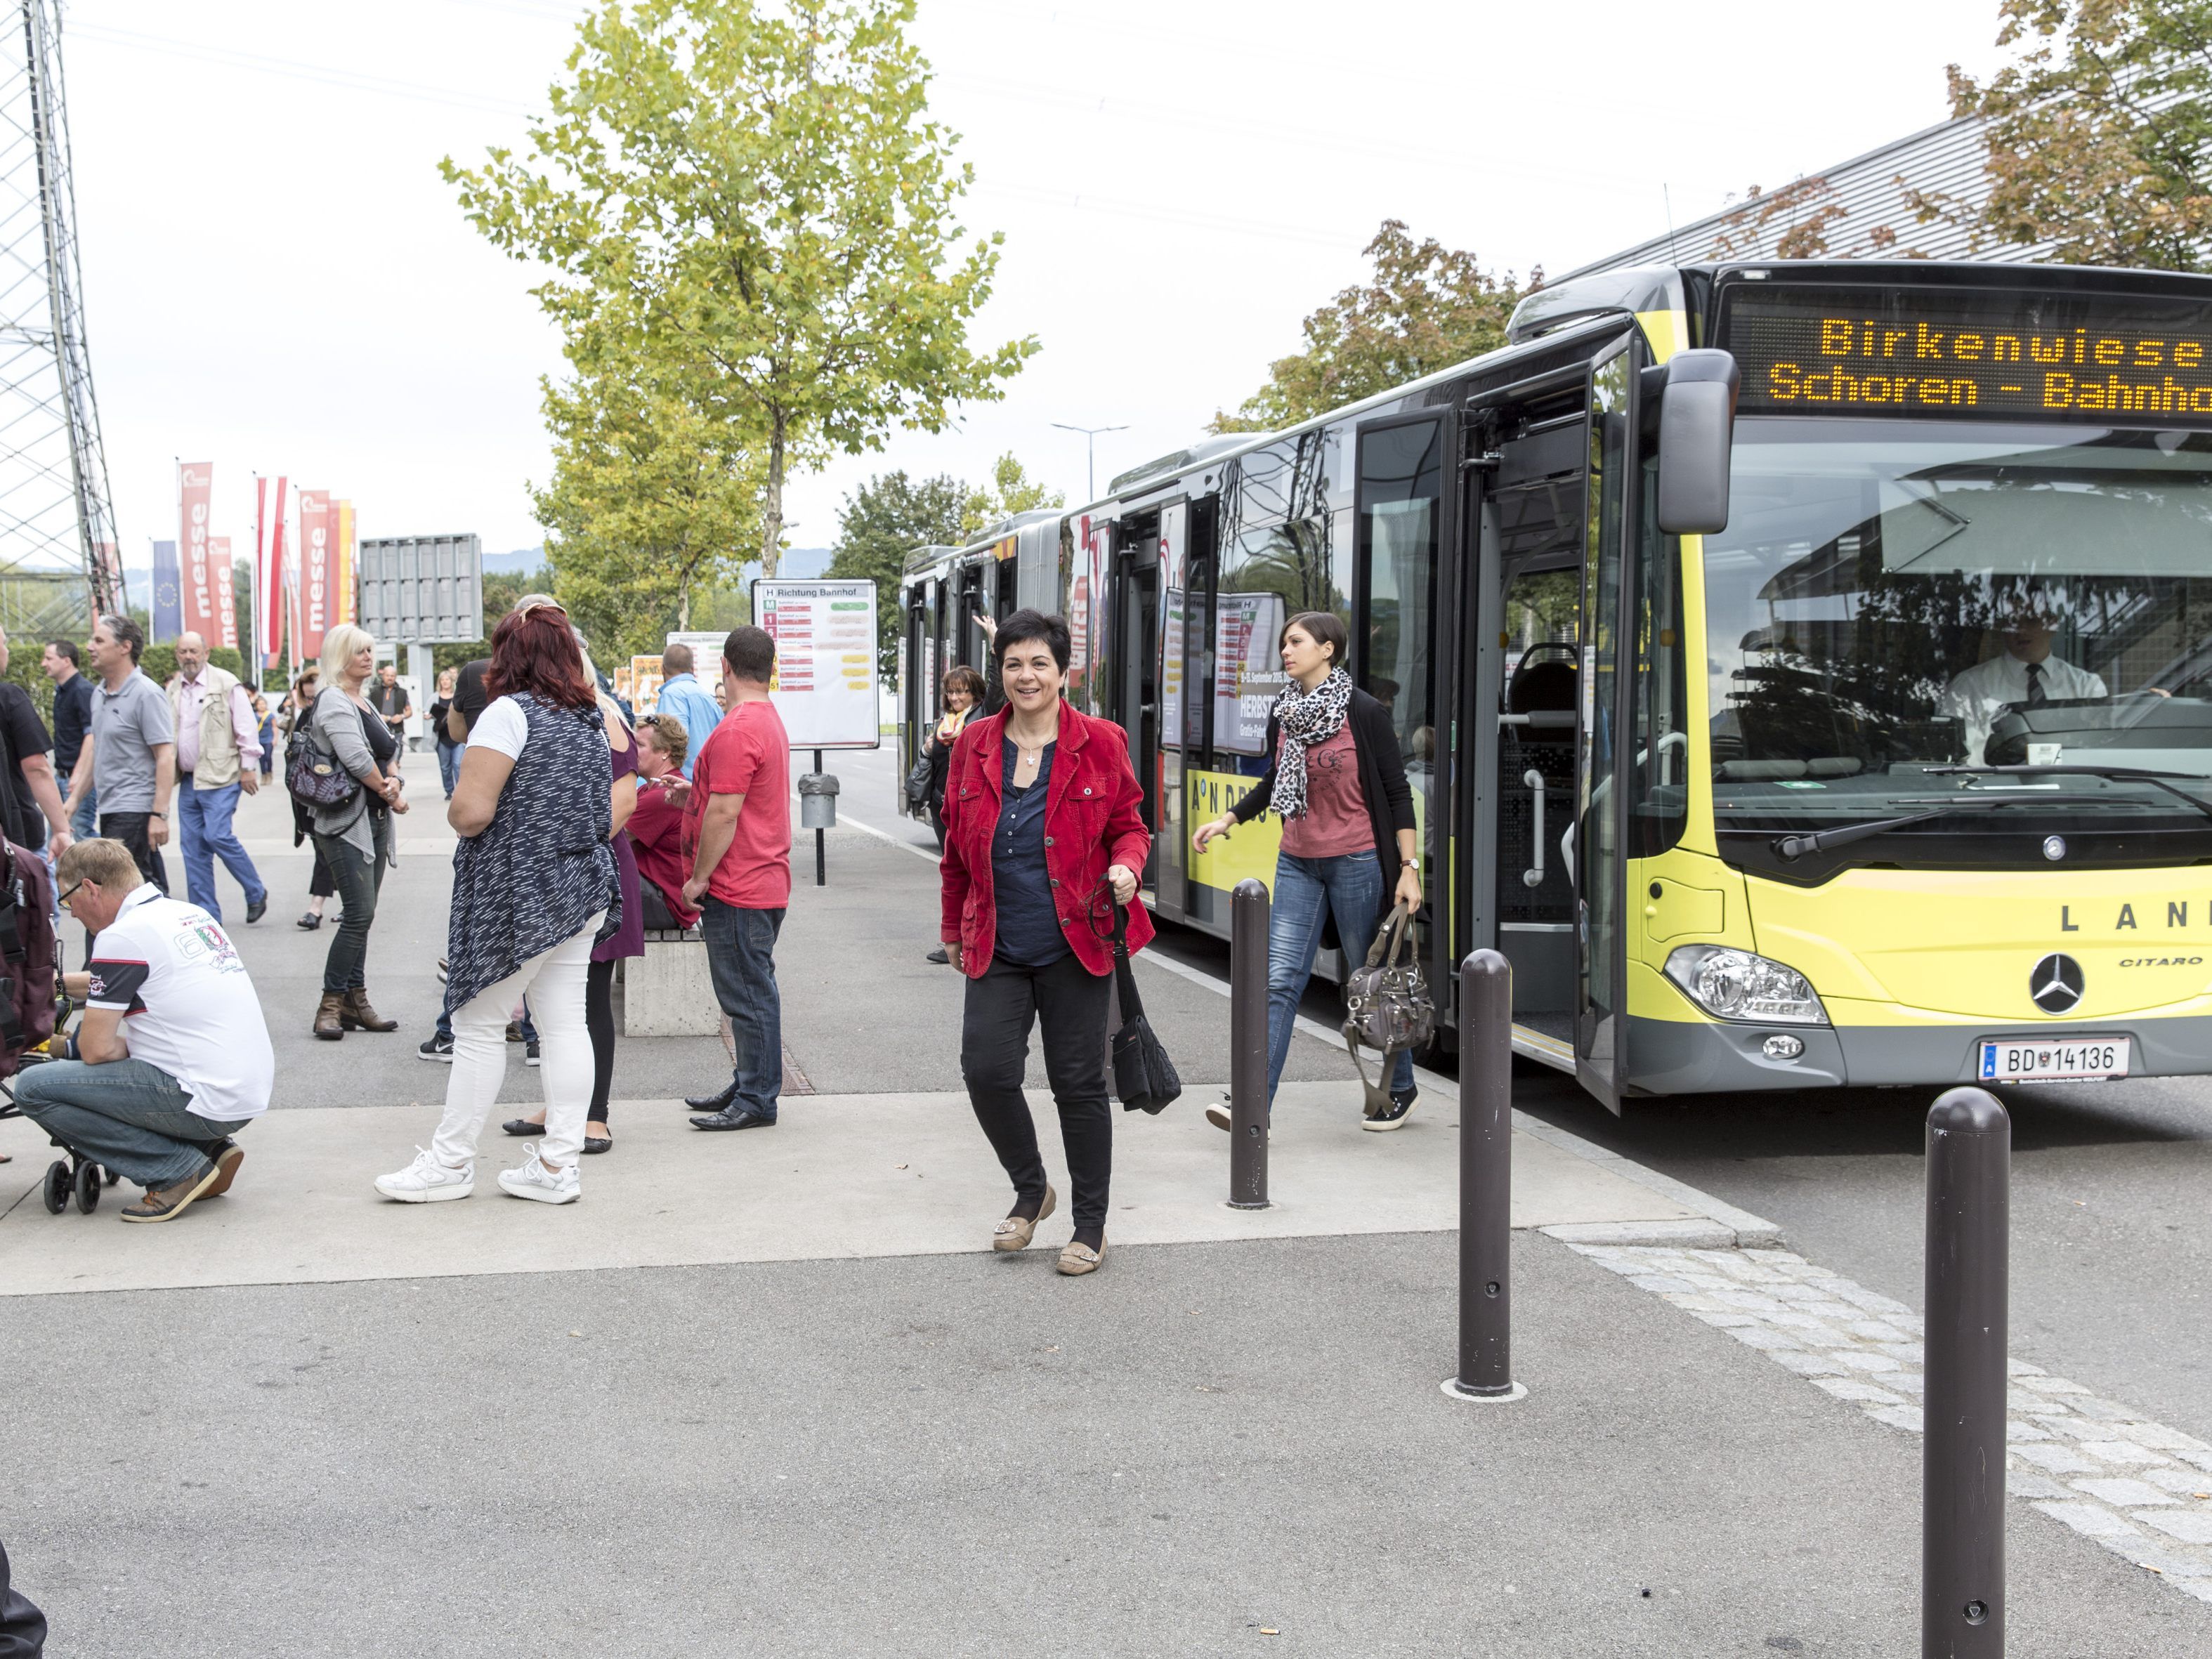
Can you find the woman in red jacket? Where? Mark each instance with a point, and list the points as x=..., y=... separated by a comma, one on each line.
x=1043, y=835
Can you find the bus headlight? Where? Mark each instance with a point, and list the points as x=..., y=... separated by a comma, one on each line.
x=1732, y=984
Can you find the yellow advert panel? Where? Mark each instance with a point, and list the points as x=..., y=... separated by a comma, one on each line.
x=1248, y=850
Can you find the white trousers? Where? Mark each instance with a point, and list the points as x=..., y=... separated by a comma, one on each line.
x=553, y=982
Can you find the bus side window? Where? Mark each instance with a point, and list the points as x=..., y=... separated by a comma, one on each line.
x=1658, y=804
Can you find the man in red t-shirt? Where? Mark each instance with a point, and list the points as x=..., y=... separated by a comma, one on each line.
x=736, y=823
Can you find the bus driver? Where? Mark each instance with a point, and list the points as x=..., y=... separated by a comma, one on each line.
x=2025, y=673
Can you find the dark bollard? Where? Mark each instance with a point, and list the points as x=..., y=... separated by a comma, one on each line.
x=1247, y=1046
x=1962, y=1494
x=1486, y=1181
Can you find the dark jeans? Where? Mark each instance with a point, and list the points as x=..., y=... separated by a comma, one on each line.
x=358, y=880
x=319, y=885
x=599, y=1021
x=126, y=1114
x=130, y=828
x=741, y=956
x=1069, y=1003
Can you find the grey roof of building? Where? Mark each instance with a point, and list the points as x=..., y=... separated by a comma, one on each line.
x=1856, y=209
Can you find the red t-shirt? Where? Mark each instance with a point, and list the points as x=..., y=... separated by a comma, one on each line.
x=1335, y=820
x=749, y=755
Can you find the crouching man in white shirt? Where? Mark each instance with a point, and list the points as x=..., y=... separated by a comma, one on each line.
x=172, y=1057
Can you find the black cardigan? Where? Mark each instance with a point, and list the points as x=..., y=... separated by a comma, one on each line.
x=1382, y=783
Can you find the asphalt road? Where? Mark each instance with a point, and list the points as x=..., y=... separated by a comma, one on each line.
x=2112, y=1242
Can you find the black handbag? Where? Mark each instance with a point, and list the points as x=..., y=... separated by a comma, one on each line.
x=1386, y=1003
x=312, y=771
x=918, y=779
x=1144, y=1077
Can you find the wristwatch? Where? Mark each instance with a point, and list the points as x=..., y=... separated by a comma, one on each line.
x=1414, y=865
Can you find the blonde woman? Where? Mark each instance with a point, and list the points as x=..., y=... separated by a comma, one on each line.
x=354, y=837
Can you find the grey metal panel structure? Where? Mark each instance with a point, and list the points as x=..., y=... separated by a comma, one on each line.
x=1862, y=207
x=421, y=590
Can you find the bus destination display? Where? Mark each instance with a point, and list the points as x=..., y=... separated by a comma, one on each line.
x=2040, y=356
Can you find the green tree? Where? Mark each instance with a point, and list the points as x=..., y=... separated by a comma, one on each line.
x=651, y=504
x=755, y=201
x=1011, y=491
x=880, y=524
x=1427, y=308
x=2099, y=133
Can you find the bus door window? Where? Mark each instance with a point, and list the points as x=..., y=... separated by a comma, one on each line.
x=1535, y=506
x=1170, y=852
x=1598, y=851
x=1136, y=682
x=1401, y=499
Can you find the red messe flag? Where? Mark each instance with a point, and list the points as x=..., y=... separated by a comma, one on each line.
x=317, y=588
x=195, y=483
x=269, y=564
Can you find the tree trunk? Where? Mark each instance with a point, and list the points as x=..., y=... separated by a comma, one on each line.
x=683, y=607
x=772, y=509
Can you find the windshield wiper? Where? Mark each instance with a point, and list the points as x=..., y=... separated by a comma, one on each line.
x=1790, y=848
x=2123, y=773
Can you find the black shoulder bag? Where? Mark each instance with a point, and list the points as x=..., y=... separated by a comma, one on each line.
x=1386, y=1003
x=1144, y=1076
x=311, y=772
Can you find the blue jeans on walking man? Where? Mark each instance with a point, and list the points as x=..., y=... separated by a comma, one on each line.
x=128, y=1115
x=204, y=825
x=82, y=821
x=1349, y=887
x=741, y=959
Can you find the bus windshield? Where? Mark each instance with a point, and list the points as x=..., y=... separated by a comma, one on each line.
x=1894, y=597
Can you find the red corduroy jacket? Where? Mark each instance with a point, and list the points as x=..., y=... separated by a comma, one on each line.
x=1094, y=818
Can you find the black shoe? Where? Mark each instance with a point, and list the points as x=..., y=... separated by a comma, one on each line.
x=256, y=910
x=522, y=1125
x=598, y=1143
x=530, y=1055
x=733, y=1118
x=309, y=920
x=713, y=1102
x=436, y=1047
x=938, y=955
x=1394, y=1115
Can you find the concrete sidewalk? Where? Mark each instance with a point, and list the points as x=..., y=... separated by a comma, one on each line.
x=838, y=1176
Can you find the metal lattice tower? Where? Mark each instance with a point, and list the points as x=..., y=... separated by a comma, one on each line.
x=56, y=513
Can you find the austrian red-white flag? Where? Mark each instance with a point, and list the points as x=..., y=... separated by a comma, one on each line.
x=268, y=564
x=195, y=483
x=318, y=567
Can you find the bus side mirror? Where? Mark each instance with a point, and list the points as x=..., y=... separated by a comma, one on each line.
x=1697, y=423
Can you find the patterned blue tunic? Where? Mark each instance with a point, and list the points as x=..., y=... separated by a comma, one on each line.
x=541, y=868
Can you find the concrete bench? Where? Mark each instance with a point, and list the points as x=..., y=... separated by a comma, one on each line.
x=668, y=992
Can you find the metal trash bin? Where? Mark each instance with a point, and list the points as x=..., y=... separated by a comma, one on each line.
x=817, y=801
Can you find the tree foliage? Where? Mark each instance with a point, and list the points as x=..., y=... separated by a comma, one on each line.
x=753, y=199
x=1425, y=307
x=651, y=503
x=1011, y=491
x=2099, y=133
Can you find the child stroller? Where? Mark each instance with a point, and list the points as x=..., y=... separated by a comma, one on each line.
x=32, y=1008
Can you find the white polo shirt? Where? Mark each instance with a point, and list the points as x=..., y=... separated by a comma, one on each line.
x=187, y=1002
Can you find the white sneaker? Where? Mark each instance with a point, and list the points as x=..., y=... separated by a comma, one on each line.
x=426, y=1180
x=531, y=1179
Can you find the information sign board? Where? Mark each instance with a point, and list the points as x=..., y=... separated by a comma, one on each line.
x=825, y=661
x=421, y=589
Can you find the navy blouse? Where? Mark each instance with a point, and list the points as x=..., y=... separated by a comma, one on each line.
x=1028, y=932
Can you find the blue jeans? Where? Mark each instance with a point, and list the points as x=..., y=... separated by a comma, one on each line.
x=741, y=958
x=203, y=824
x=81, y=821
x=449, y=766
x=129, y=1115
x=1350, y=887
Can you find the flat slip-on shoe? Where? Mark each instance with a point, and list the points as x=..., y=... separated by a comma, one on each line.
x=522, y=1125
x=1076, y=1258
x=1014, y=1233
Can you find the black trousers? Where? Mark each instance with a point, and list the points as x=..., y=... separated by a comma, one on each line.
x=130, y=828
x=1068, y=1002
x=599, y=1021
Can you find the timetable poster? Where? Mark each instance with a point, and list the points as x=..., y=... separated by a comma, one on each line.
x=825, y=661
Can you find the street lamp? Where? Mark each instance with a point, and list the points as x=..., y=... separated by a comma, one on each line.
x=1091, y=453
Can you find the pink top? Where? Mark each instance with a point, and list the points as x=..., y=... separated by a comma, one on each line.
x=1335, y=820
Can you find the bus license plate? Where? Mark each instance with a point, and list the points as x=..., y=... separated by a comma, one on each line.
x=2032, y=1062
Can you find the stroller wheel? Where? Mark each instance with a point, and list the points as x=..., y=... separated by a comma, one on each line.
x=87, y=1187
x=56, y=1191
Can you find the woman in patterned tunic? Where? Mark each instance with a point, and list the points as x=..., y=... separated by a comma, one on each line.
x=533, y=880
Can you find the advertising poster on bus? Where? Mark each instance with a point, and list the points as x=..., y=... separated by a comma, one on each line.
x=825, y=661
x=1247, y=674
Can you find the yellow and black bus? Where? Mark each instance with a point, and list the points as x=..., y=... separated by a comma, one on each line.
x=1805, y=668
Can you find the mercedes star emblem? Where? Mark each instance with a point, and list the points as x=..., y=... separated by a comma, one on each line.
x=2055, y=984
x=2054, y=847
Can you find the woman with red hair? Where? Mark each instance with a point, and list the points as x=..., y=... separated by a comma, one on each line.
x=533, y=880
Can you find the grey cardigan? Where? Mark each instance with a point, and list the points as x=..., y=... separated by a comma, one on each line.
x=338, y=722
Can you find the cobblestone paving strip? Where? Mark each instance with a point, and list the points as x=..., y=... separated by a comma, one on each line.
x=2142, y=1490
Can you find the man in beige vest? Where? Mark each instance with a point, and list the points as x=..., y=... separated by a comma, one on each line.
x=218, y=754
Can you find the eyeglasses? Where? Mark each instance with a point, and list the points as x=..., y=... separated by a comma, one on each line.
x=63, y=902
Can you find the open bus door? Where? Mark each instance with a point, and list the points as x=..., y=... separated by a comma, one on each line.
x=1538, y=873
x=1135, y=643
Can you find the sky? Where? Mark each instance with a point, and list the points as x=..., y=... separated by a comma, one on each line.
x=277, y=279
